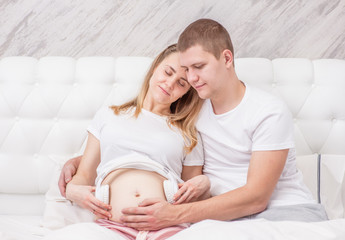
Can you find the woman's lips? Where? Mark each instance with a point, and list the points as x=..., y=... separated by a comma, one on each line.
x=164, y=91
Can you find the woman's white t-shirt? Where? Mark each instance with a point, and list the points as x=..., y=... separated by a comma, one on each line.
x=261, y=122
x=149, y=134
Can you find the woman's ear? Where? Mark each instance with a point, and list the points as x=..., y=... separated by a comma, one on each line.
x=228, y=57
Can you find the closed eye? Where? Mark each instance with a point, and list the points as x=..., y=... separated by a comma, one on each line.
x=168, y=73
x=199, y=66
x=182, y=83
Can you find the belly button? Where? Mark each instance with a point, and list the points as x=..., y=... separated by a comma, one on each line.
x=137, y=195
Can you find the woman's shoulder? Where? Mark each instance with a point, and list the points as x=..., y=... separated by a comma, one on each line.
x=105, y=110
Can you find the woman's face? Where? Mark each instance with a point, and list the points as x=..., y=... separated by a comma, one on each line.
x=168, y=82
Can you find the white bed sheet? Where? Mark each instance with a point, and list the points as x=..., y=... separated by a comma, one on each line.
x=21, y=228
x=28, y=228
x=261, y=229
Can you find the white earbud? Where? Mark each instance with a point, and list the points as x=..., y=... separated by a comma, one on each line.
x=102, y=193
x=170, y=188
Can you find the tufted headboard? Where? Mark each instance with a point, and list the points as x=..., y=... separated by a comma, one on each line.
x=46, y=105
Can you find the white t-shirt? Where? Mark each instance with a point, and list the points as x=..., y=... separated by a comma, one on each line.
x=260, y=122
x=149, y=134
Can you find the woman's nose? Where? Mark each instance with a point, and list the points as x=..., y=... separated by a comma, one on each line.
x=170, y=82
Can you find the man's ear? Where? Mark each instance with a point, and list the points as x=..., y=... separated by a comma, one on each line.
x=228, y=57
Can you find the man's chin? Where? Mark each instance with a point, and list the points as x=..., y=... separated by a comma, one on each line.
x=203, y=95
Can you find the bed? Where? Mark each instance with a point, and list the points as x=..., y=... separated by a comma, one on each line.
x=47, y=103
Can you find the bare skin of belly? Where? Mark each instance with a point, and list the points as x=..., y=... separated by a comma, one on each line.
x=128, y=187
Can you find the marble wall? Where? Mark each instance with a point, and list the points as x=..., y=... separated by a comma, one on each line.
x=259, y=28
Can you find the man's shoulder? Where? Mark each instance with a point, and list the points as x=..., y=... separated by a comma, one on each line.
x=266, y=105
x=265, y=99
x=256, y=92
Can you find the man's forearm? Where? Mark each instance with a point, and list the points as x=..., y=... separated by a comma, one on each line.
x=263, y=174
x=231, y=205
x=205, y=195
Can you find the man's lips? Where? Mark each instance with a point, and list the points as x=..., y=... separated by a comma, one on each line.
x=199, y=86
x=164, y=91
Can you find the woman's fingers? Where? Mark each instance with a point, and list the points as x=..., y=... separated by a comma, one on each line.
x=100, y=209
x=189, y=198
x=95, y=205
x=98, y=202
x=186, y=193
x=179, y=193
x=180, y=200
x=101, y=213
x=101, y=204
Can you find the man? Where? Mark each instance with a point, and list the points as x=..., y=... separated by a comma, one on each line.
x=248, y=143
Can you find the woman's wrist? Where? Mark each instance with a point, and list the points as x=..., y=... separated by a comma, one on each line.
x=205, y=188
x=69, y=192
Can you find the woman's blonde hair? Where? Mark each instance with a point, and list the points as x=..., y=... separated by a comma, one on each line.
x=184, y=111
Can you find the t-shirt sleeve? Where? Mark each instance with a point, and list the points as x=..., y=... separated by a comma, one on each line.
x=196, y=156
x=273, y=128
x=97, y=122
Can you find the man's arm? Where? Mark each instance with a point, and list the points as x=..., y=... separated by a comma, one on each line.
x=263, y=174
x=264, y=171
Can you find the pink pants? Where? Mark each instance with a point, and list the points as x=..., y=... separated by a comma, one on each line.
x=133, y=234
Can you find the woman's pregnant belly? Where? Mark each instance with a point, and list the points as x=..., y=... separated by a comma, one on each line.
x=128, y=187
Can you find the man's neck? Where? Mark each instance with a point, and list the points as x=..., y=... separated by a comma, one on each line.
x=229, y=96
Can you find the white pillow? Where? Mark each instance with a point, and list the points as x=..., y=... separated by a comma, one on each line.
x=60, y=212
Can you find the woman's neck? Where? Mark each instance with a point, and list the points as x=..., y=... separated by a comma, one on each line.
x=159, y=109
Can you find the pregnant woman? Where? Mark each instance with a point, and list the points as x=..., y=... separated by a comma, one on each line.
x=145, y=148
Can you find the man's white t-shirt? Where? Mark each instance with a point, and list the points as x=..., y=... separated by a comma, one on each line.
x=261, y=122
x=149, y=134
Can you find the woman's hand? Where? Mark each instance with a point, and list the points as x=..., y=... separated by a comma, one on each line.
x=83, y=196
x=196, y=188
x=68, y=170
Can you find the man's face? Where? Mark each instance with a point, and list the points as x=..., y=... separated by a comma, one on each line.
x=204, y=71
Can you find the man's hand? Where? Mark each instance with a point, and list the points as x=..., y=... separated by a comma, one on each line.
x=152, y=214
x=67, y=172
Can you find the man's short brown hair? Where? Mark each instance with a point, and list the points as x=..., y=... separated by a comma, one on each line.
x=209, y=34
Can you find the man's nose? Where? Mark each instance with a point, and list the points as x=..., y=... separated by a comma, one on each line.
x=191, y=76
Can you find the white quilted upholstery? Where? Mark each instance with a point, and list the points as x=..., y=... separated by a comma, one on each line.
x=315, y=94
x=46, y=105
